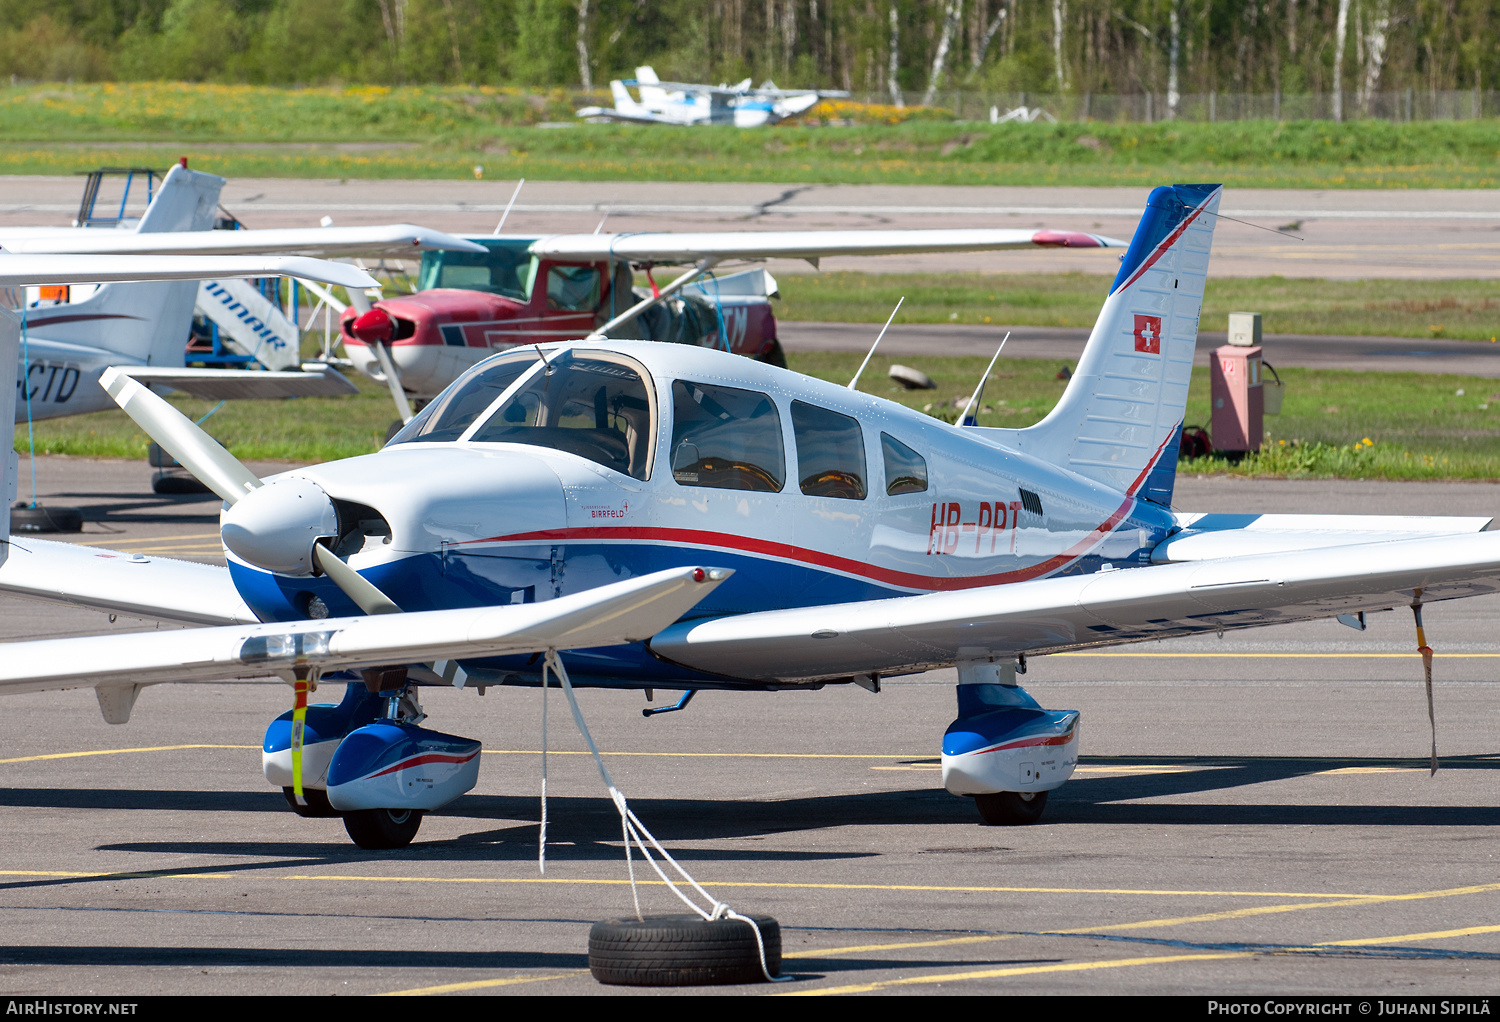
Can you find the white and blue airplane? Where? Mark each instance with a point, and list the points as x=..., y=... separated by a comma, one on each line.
x=689, y=103
x=679, y=518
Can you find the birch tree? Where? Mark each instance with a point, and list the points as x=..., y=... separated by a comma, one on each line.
x=1375, y=46
x=1058, y=10
x=895, y=74
x=945, y=41
x=1341, y=29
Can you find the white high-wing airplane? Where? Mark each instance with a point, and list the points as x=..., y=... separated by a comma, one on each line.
x=676, y=517
x=145, y=325
x=530, y=290
x=686, y=103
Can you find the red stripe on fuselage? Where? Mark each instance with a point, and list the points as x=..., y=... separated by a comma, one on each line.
x=786, y=551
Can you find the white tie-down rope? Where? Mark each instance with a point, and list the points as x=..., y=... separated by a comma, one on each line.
x=632, y=829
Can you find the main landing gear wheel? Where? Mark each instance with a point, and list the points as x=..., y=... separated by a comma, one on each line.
x=680, y=951
x=317, y=803
x=25, y=518
x=377, y=829
x=1011, y=808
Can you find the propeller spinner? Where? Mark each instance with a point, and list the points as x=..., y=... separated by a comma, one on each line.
x=281, y=527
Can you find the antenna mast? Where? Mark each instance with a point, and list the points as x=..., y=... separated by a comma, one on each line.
x=854, y=382
x=963, y=419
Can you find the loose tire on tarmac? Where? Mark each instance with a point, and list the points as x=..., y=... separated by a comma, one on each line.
x=318, y=806
x=45, y=519
x=177, y=483
x=1011, y=808
x=380, y=829
x=679, y=951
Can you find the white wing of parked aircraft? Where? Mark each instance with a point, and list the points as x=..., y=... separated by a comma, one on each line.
x=725, y=245
x=324, y=242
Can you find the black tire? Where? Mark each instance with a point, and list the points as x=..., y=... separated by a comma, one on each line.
x=391, y=431
x=1011, y=808
x=679, y=951
x=774, y=355
x=177, y=483
x=377, y=829
x=318, y=806
x=45, y=519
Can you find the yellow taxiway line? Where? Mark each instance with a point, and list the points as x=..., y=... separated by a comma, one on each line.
x=480, y=984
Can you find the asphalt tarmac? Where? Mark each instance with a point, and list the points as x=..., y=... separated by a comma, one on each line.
x=1344, y=234
x=1252, y=815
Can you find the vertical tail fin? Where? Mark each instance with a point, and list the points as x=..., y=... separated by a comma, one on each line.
x=146, y=323
x=10, y=358
x=186, y=201
x=1120, y=418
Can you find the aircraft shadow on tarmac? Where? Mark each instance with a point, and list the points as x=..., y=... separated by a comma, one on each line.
x=304, y=957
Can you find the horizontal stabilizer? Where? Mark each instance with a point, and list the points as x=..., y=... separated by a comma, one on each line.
x=315, y=380
x=627, y=611
x=1209, y=536
x=1105, y=608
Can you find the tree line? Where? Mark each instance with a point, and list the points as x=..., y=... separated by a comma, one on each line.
x=869, y=47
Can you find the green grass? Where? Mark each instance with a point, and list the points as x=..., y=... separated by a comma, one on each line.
x=1419, y=425
x=443, y=132
x=1409, y=308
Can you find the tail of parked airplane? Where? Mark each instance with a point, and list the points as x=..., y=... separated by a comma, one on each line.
x=10, y=358
x=143, y=322
x=1120, y=420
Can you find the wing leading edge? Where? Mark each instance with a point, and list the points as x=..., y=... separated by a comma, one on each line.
x=1107, y=608
x=628, y=611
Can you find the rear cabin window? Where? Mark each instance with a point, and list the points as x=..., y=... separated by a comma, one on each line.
x=595, y=408
x=455, y=409
x=905, y=469
x=573, y=288
x=726, y=438
x=830, y=452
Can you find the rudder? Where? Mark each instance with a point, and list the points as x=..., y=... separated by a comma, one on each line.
x=1119, y=420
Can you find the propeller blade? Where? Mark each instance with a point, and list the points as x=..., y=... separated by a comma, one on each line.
x=194, y=449
x=355, y=586
x=222, y=472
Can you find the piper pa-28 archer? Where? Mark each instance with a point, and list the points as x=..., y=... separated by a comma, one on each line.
x=674, y=517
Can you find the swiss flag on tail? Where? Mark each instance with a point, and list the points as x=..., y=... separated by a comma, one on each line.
x=1148, y=334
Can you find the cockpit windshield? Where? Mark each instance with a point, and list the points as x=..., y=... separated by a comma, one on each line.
x=596, y=407
x=505, y=268
x=456, y=408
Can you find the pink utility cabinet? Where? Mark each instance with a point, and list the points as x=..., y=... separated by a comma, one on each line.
x=1237, y=399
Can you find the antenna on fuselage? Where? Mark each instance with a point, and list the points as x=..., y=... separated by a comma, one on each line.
x=600, y=226
x=855, y=382
x=512, y=202
x=963, y=420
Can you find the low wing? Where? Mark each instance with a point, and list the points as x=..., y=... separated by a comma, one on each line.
x=17, y=270
x=688, y=248
x=315, y=380
x=628, y=611
x=1110, y=607
x=144, y=586
x=326, y=242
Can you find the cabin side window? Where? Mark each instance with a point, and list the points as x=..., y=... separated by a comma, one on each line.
x=830, y=452
x=573, y=288
x=726, y=438
x=905, y=469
